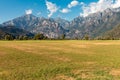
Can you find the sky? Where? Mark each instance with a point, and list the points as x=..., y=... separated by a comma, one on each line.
x=66, y=9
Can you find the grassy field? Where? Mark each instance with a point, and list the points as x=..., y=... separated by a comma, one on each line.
x=60, y=60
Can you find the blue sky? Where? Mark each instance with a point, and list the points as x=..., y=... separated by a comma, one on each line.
x=10, y=9
x=67, y=9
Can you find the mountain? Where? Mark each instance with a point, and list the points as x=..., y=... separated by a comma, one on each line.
x=93, y=25
x=64, y=23
x=48, y=27
x=23, y=22
x=12, y=30
x=112, y=34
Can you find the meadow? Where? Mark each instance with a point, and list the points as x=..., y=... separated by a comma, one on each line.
x=60, y=60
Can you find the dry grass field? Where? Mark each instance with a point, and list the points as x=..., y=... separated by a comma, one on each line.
x=60, y=60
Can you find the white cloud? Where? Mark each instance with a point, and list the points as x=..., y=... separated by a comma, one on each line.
x=73, y=4
x=116, y=4
x=51, y=7
x=82, y=3
x=65, y=10
x=99, y=6
x=29, y=11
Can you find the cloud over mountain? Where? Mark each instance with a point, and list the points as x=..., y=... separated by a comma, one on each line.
x=73, y=4
x=70, y=5
x=29, y=11
x=51, y=7
x=65, y=10
x=99, y=6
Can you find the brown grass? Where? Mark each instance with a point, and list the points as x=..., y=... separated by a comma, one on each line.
x=115, y=72
x=63, y=77
x=64, y=59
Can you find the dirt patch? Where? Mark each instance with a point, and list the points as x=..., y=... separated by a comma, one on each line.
x=86, y=63
x=64, y=59
x=76, y=72
x=83, y=73
x=4, y=73
x=2, y=53
x=22, y=48
x=63, y=77
x=115, y=72
x=79, y=46
x=102, y=43
x=89, y=63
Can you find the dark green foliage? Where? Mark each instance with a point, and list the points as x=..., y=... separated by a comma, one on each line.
x=11, y=32
x=86, y=37
x=9, y=37
x=39, y=37
x=63, y=36
x=20, y=37
x=25, y=38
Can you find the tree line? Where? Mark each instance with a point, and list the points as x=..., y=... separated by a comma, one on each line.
x=25, y=37
x=43, y=37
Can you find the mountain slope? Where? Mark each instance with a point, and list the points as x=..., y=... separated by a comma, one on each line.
x=23, y=22
x=113, y=34
x=11, y=30
x=64, y=23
